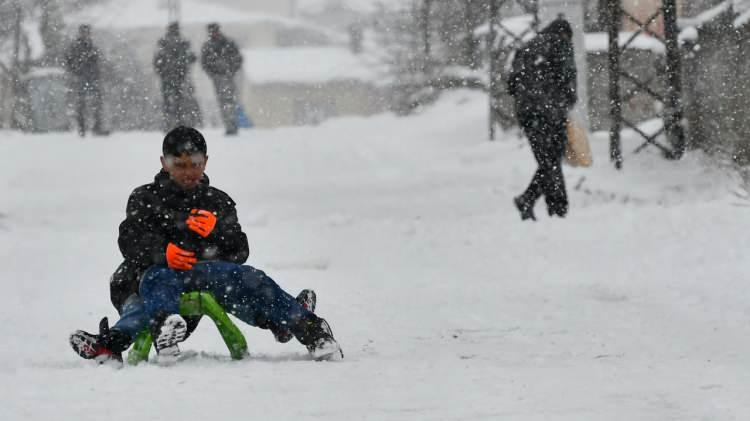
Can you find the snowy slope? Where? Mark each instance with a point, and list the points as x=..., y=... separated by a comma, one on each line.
x=636, y=307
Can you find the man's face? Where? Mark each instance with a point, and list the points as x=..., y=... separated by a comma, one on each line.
x=185, y=170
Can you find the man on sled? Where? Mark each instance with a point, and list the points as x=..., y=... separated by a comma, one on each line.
x=181, y=235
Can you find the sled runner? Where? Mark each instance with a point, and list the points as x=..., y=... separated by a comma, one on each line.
x=197, y=304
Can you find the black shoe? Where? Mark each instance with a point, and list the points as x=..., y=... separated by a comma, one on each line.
x=526, y=210
x=557, y=209
x=320, y=342
x=557, y=212
x=105, y=347
x=167, y=334
x=307, y=299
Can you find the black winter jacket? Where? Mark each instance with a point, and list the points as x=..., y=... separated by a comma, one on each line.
x=156, y=215
x=544, y=76
x=220, y=57
x=82, y=59
x=173, y=58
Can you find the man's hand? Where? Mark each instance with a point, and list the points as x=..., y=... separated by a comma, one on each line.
x=179, y=259
x=201, y=221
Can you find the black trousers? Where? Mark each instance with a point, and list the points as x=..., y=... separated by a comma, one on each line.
x=88, y=90
x=547, y=136
x=227, y=99
x=173, y=105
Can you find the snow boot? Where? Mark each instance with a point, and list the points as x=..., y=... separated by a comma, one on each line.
x=167, y=332
x=105, y=347
x=319, y=341
x=557, y=206
x=524, y=208
x=307, y=299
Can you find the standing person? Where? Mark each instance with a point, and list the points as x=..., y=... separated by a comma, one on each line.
x=82, y=60
x=172, y=63
x=543, y=83
x=221, y=59
x=182, y=232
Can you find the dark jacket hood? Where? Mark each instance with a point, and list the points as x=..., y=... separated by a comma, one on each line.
x=559, y=26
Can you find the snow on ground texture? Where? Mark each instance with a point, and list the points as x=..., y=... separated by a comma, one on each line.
x=447, y=306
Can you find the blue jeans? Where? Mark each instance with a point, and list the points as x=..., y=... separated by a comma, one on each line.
x=133, y=317
x=246, y=292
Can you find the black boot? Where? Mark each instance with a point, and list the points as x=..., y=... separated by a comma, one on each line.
x=557, y=206
x=107, y=346
x=167, y=330
x=307, y=299
x=318, y=338
x=524, y=208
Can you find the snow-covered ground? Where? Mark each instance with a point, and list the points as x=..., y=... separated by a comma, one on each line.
x=448, y=307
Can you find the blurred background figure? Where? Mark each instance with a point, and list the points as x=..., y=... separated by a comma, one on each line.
x=221, y=59
x=543, y=84
x=82, y=60
x=172, y=63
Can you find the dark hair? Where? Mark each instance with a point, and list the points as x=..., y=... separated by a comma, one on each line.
x=181, y=140
x=213, y=27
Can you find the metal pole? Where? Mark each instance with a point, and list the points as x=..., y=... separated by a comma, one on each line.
x=15, y=72
x=491, y=56
x=615, y=110
x=673, y=115
x=426, y=27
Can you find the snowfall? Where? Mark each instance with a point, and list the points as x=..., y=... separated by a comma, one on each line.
x=448, y=307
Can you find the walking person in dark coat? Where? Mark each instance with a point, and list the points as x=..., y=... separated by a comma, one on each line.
x=82, y=60
x=182, y=234
x=172, y=63
x=543, y=83
x=221, y=59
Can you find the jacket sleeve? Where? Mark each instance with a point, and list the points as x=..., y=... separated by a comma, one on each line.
x=231, y=240
x=69, y=61
x=235, y=58
x=208, y=60
x=159, y=61
x=190, y=56
x=140, y=241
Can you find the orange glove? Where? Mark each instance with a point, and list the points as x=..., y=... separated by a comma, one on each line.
x=201, y=221
x=179, y=259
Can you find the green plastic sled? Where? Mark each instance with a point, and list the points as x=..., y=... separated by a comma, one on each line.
x=197, y=304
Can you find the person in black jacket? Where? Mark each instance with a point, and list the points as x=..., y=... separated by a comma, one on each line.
x=172, y=63
x=179, y=227
x=82, y=61
x=221, y=59
x=543, y=83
